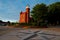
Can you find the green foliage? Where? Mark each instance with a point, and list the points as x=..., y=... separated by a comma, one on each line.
x=25, y=24
x=54, y=8
x=44, y=15
x=39, y=13
x=54, y=13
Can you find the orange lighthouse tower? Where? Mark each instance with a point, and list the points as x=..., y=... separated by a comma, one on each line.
x=25, y=16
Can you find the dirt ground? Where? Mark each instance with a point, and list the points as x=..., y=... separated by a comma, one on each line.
x=52, y=29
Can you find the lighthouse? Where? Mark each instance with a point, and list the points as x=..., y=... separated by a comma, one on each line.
x=25, y=16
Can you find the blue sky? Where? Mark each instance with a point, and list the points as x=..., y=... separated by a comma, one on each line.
x=10, y=9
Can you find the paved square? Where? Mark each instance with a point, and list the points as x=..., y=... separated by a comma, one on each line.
x=30, y=34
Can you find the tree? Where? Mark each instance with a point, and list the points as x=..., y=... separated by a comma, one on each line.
x=1, y=21
x=54, y=12
x=39, y=13
x=8, y=22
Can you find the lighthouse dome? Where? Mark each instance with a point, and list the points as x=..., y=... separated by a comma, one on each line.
x=27, y=6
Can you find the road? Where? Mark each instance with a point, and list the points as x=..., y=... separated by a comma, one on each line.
x=29, y=34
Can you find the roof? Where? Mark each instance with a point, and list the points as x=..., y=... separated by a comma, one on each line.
x=22, y=12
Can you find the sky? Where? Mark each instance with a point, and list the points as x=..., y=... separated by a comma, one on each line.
x=10, y=9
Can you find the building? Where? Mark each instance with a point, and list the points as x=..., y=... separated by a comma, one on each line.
x=25, y=16
x=2, y=23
